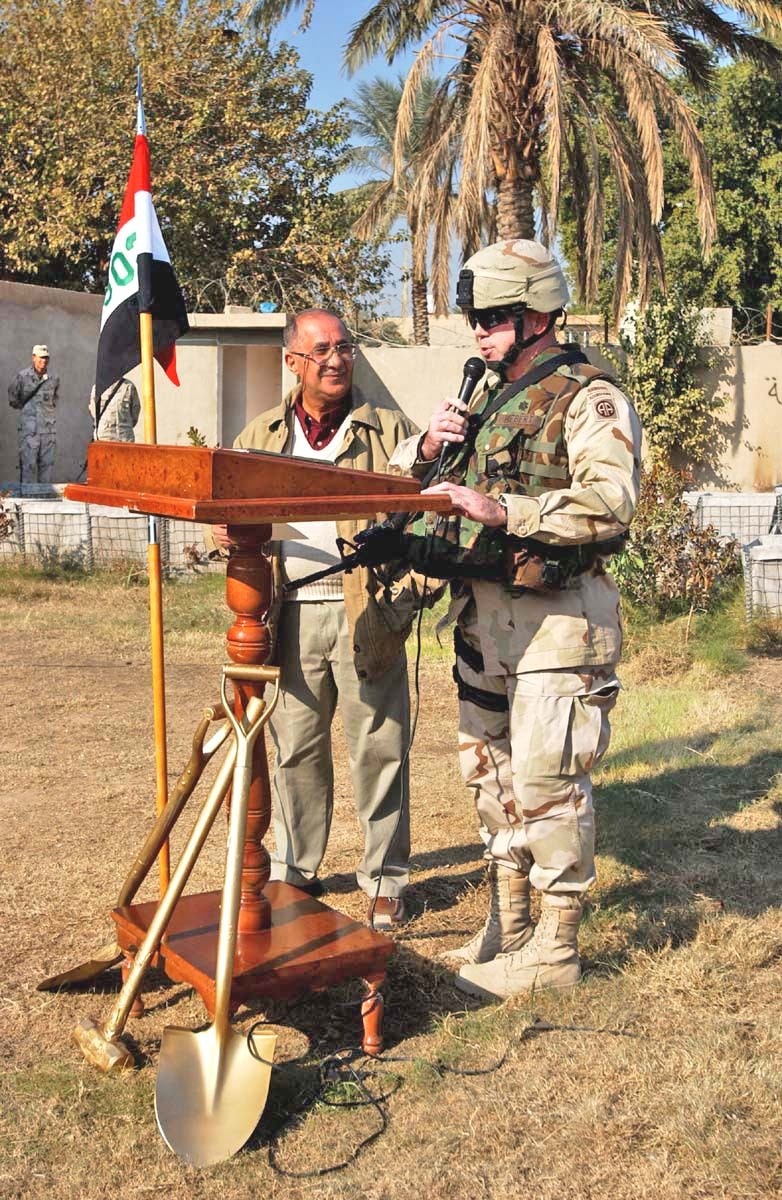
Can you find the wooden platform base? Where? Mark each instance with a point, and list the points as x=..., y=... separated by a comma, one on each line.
x=308, y=947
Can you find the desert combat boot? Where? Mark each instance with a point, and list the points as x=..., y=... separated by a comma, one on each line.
x=508, y=926
x=549, y=960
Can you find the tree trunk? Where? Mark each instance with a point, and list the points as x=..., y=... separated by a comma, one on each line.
x=420, y=312
x=515, y=207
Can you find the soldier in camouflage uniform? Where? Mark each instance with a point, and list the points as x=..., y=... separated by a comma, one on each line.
x=119, y=411
x=543, y=493
x=34, y=394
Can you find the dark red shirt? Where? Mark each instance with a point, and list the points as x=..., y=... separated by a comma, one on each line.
x=320, y=433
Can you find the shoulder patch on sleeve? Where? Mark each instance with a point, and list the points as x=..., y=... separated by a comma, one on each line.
x=604, y=407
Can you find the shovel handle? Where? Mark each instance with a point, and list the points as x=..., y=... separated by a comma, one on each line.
x=157, y=927
x=183, y=789
x=247, y=729
x=251, y=674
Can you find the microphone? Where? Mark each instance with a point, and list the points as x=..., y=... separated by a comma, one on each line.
x=474, y=371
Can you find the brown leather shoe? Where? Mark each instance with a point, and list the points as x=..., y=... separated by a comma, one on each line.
x=387, y=912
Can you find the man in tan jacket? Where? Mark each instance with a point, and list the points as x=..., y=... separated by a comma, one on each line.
x=339, y=640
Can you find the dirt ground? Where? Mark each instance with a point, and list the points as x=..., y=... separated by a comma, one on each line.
x=78, y=798
x=661, y=1078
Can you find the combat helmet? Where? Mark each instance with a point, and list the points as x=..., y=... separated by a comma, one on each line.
x=515, y=275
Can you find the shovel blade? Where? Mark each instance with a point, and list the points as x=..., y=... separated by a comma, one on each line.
x=211, y=1091
x=108, y=956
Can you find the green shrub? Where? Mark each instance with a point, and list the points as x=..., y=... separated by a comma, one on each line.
x=671, y=564
x=6, y=519
x=659, y=375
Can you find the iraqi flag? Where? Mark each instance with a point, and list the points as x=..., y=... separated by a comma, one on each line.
x=141, y=279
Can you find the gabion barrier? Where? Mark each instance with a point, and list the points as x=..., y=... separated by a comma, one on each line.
x=762, y=562
x=754, y=520
x=90, y=536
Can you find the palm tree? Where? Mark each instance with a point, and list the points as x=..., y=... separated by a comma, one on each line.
x=388, y=196
x=538, y=87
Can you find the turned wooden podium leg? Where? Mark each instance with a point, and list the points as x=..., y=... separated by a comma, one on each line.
x=372, y=1009
x=248, y=593
x=288, y=942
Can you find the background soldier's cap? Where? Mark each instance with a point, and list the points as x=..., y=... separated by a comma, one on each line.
x=41, y=351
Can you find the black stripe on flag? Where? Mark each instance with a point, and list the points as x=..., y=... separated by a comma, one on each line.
x=119, y=345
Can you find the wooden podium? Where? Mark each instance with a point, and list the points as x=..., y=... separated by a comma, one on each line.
x=288, y=943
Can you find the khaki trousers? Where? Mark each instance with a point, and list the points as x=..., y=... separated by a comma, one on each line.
x=315, y=654
x=527, y=744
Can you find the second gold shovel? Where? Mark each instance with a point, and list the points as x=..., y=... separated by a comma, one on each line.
x=211, y=1090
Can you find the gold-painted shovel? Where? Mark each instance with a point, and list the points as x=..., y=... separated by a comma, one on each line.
x=211, y=1090
x=101, y=1044
x=110, y=953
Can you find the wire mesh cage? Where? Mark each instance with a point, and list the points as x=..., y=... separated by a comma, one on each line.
x=742, y=516
x=53, y=531
x=754, y=520
x=762, y=562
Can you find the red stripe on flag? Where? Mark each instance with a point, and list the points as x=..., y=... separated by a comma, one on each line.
x=139, y=180
x=166, y=356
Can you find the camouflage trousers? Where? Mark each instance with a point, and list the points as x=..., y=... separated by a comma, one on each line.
x=527, y=744
x=36, y=457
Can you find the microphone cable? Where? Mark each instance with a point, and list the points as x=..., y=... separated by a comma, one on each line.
x=473, y=371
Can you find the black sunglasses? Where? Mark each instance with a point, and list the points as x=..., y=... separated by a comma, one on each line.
x=489, y=318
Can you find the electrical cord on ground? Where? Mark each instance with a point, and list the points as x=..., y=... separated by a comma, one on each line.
x=341, y=1067
x=335, y=1069
x=414, y=717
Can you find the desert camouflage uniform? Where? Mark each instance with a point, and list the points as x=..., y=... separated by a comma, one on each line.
x=119, y=413
x=35, y=426
x=536, y=669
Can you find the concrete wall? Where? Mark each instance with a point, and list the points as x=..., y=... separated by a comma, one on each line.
x=67, y=322
x=417, y=377
x=748, y=429
x=230, y=367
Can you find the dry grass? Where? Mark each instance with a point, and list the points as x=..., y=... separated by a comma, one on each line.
x=661, y=1075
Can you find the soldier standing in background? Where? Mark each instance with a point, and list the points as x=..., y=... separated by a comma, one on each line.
x=33, y=393
x=544, y=491
x=117, y=414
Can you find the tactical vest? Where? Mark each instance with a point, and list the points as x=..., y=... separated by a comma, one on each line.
x=519, y=449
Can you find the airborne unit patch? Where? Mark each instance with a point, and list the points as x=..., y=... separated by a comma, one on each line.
x=604, y=408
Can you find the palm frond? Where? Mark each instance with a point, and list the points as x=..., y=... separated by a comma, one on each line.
x=549, y=95
x=382, y=208
x=389, y=27
x=696, y=157
x=265, y=14
x=409, y=106
x=636, y=30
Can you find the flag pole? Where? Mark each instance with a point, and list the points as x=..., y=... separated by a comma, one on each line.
x=155, y=574
x=155, y=603
x=143, y=314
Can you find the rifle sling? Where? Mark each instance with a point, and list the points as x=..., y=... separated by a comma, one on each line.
x=35, y=390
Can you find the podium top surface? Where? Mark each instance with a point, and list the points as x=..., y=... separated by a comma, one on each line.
x=238, y=487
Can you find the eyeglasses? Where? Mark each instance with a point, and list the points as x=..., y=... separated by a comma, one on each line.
x=489, y=318
x=321, y=354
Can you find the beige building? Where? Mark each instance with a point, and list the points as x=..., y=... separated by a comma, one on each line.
x=230, y=367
